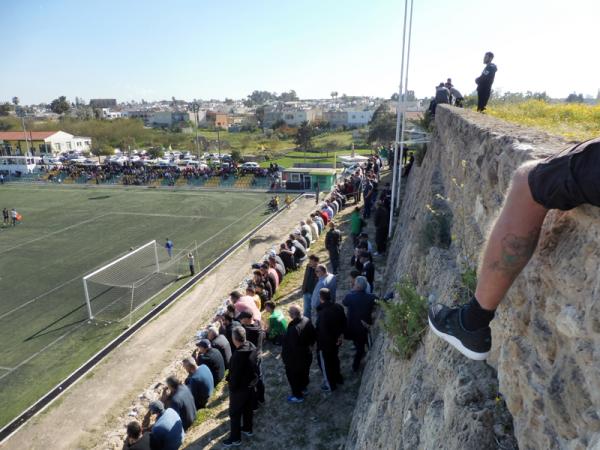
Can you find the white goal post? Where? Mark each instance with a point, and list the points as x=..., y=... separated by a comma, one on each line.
x=128, y=271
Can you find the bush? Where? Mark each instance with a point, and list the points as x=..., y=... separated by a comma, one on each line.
x=405, y=321
x=436, y=231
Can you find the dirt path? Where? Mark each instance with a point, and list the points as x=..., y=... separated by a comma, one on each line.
x=103, y=399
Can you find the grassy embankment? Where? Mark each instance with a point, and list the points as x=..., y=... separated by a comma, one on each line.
x=573, y=121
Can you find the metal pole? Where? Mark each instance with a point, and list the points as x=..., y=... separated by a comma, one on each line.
x=156, y=257
x=131, y=304
x=398, y=125
x=404, y=102
x=87, y=299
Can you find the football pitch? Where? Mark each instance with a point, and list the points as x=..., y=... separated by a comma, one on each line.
x=67, y=232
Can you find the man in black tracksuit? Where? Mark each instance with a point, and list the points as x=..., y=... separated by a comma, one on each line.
x=485, y=81
x=382, y=221
x=333, y=242
x=256, y=335
x=212, y=358
x=242, y=380
x=296, y=354
x=331, y=323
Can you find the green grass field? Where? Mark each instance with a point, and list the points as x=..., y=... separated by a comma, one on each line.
x=66, y=233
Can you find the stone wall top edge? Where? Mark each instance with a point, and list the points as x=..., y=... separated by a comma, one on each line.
x=537, y=142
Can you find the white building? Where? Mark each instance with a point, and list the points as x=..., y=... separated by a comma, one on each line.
x=359, y=118
x=42, y=143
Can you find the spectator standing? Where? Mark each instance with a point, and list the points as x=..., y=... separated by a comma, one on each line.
x=221, y=343
x=331, y=323
x=211, y=357
x=382, y=221
x=333, y=243
x=485, y=81
x=325, y=280
x=309, y=283
x=136, y=439
x=5, y=216
x=368, y=268
x=368, y=192
x=242, y=380
x=199, y=381
x=276, y=324
x=13, y=215
x=359, y=306
x=191, y=263
x=182, y=401
x=167, y=431
x=244, y=303
x=356, y=224
x=169, y=247
x=314, y=228
x=296, y=353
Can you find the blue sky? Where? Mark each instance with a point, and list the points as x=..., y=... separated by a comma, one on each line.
x=151, y=49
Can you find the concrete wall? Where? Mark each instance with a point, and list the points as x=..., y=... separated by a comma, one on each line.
x=541, y=387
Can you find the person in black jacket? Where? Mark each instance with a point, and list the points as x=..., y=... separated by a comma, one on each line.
x=213, y=359
x=220, y=342
x=242, y=380
x=309, y=283
x=180, y=399
x=296, y=353
x=256, y=335
x=333, y=242
x=136, y=439
x=331, y=323
x=368, y=269
x=485, y=81
x=360, y=306
x=287, y=256
x=382, y=220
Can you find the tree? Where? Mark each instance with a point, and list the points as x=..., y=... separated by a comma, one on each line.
x=236, y=155
x=60, y=105
x=394, y=97
x=382, y=127
x=304, y=136
x=290, y=96
x=333, y=94
x=15, y=101
x=155, y=152
x=278, y=124
x=5, y=109
x=102, y=149
x=574, y=98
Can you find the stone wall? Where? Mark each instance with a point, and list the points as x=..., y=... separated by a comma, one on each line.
x=544, y=370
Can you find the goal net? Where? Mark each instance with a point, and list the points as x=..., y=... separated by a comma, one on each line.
x=124, y=285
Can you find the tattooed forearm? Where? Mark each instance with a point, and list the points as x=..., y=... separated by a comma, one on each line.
x=515, y=253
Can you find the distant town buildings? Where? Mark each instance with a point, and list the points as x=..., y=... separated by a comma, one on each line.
x=39, y=143
x=103, y=103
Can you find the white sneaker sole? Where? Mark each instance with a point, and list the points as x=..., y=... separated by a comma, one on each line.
x=454, y=342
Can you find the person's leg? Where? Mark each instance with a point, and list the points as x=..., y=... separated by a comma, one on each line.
x=248, y=415
x=235, y=416
x=511, y=242
x=359, y=344
x=307, y=297
x=509, y=247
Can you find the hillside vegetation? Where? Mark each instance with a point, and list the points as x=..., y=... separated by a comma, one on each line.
x=573, y=121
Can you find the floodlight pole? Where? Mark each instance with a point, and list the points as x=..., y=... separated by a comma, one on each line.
x=394, y=202
x=404, y=101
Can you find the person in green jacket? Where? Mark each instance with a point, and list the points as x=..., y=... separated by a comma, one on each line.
x=356, y=224
x=276, y=325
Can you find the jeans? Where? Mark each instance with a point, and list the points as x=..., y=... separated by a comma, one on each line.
x=307, y=297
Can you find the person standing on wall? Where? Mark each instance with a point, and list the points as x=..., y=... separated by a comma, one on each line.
x=485, y=81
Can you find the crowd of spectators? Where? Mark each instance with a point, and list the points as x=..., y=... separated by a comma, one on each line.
x=231, y=348
x=138, y=174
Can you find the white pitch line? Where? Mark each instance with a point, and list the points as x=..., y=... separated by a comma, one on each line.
x=62, y=230
x=125, y=213
x=8, y=313
x=6, y=368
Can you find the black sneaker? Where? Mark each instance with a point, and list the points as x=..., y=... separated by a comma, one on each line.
x=231, y=443
x=446, y=323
